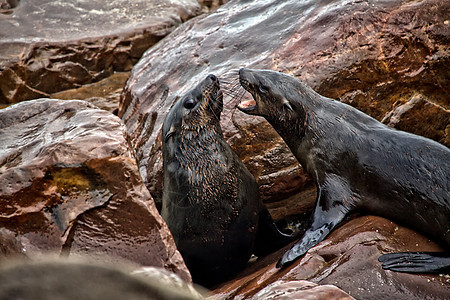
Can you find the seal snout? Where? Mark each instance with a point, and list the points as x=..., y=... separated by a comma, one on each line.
x=212, y=77
x=247, y=106
x=212, y=96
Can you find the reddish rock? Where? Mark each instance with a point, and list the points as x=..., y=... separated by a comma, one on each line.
x=301, y=289
x=375, y=57
x=70, y=185
x=104, y=94
x=347, y=259
x=48, y=46
x=435, y=119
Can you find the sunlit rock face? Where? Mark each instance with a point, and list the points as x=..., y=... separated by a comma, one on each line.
x=48, y=46
x=70, y=185
x=347, y=259
x=376, y=56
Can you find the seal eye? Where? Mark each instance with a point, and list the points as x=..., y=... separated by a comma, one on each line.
x=262, y=89
x=189, y=103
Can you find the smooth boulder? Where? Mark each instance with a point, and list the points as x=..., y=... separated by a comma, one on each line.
x=70, y=185
x=48, y=46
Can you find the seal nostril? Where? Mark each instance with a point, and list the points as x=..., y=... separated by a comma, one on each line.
x=212, y=77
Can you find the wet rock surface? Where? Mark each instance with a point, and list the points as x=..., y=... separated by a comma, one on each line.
x=347, y=259
x=375, y=56
x=70, y=185
x=104, y=94
x=300, y=289
x=49, y=46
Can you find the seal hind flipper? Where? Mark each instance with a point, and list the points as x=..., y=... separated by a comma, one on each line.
x=330, y=211
x=268, y=237
x=416, y=262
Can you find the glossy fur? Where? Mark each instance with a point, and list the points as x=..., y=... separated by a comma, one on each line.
x=210, y=200
x=357, y=163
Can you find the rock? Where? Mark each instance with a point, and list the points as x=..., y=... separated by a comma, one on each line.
x=347, y=259
x=49, y=46
x=301, y=289
x=434, y=119
x=84, y=279
x=104, y=94
x=375, y=57
x=9, y=245
x=211, y=5
x=70, y=185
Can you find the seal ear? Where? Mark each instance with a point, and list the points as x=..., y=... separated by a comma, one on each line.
x=287, y=105
x=169, y=134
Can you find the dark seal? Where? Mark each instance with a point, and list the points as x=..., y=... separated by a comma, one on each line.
x=210, y=200
x=358, y=164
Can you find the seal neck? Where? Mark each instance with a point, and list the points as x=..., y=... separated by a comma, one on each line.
x=197, y=148
x=300, y=127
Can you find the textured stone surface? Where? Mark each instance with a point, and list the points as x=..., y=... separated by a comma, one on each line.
x=48, y=46
x=70, y=185
x=211, y=5
x=104, y=94
x=347, y=259
x=300, y=289
x=376, y=56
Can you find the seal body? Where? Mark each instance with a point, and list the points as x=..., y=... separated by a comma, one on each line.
x=210, y=200
x=357, y=163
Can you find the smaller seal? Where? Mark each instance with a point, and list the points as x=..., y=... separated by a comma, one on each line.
x=210, y=200
x=358, y=164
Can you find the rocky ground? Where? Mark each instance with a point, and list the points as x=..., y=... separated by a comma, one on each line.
x=78, y=180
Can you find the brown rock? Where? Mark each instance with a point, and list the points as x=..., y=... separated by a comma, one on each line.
x=211, y=5
x=104, y=94
x=70, y=185
x=49, y=46
x=301, y=289
x=348, y=259
x=374, y=57
x=9, y=245
x=434, y=118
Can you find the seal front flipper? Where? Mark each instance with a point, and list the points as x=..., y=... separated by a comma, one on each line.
x=333, y=203
x=268, y=237
x=416, y=262
x=324, y=222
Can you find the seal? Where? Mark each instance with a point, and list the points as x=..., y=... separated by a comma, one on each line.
x=210, y=200
x=358, y=164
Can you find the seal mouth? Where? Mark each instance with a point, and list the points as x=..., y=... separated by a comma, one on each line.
x=248, y=106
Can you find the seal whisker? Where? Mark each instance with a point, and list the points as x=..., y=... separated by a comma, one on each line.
x=229, y=73
x=231, y=89
x=236, y=95
x=214, y=103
